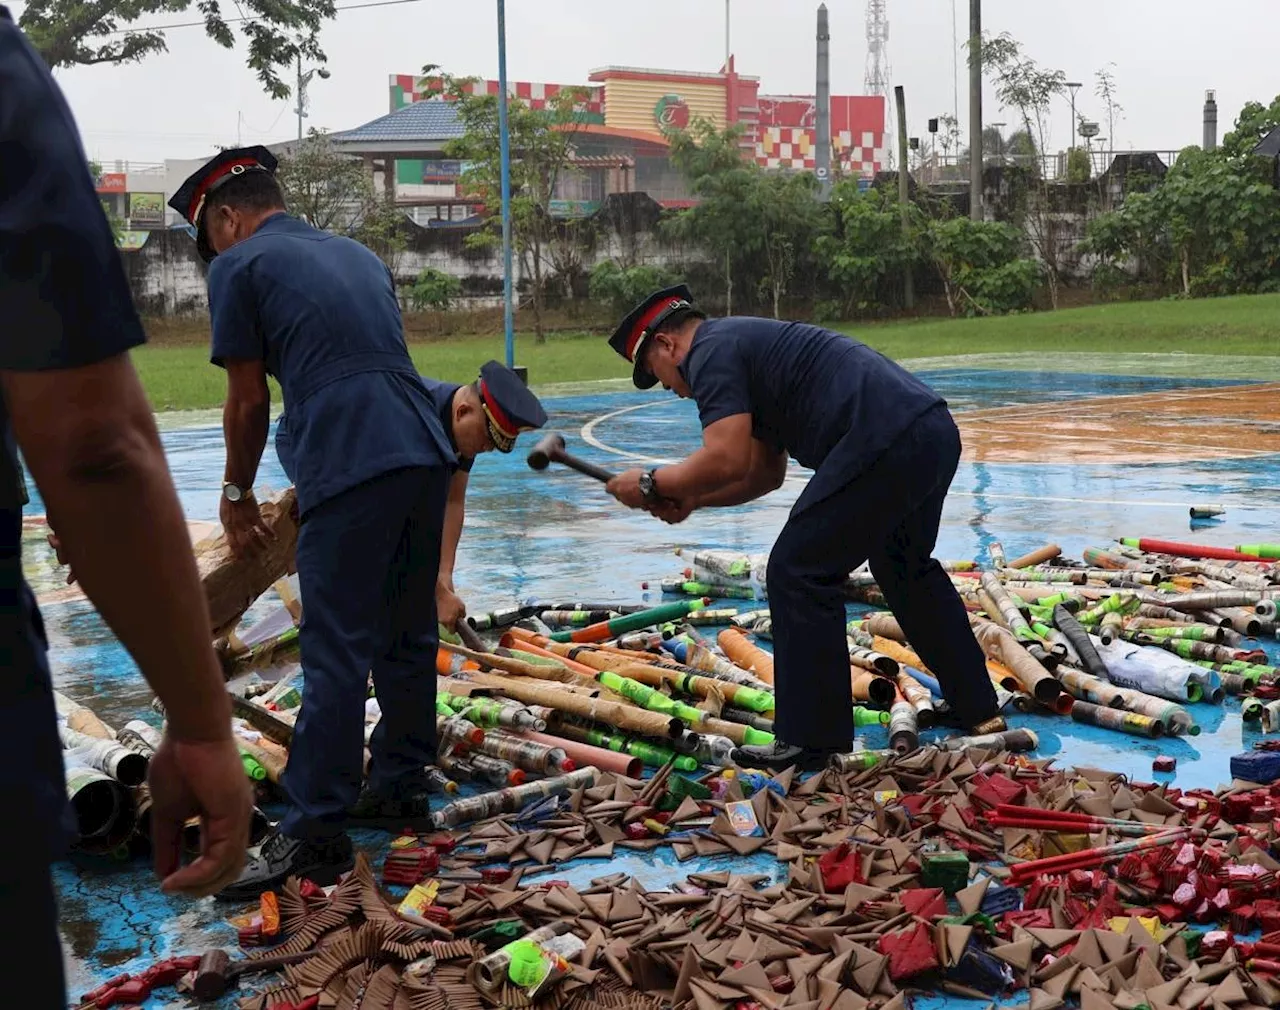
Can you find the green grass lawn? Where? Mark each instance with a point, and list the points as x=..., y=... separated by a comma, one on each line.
x=179, y=377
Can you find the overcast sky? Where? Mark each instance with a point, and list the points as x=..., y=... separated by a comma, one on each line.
x=1166, y=54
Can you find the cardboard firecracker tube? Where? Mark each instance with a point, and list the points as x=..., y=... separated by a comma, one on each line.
x=656, y=676
x=871, y=688
x=81, y=719
x=883, y=625
x=1000, y=644
x=588, y=756
x=1037, y=557
x=744, y=653
x=612, y=713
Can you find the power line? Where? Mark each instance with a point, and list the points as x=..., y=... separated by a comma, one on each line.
x=231, y=21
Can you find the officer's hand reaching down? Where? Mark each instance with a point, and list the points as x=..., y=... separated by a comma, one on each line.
x=246, y=531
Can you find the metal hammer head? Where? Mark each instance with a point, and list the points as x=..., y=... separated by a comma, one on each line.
x=548, y=448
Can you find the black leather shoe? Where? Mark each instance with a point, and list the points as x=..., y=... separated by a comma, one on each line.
x=410, y=814
x=282, y=857
x=780, y=756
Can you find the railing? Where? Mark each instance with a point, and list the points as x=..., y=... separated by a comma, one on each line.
x=934, y=168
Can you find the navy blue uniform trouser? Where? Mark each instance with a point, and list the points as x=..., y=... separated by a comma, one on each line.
x=367, y=566
x=888, y=514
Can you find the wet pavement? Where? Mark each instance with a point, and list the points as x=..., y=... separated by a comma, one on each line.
x=1071, y=457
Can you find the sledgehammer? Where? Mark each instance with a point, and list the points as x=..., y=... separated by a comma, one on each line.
x=550, y=449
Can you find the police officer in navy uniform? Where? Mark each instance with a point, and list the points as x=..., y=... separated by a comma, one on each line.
x=883, y=448
x=71, y=400
x=485, y=415
x=371, y=464
x=482, y=416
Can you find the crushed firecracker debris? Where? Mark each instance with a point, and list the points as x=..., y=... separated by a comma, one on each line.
x=970, y=872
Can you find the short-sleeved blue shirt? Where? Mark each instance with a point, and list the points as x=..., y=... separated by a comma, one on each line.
x=64, y=303
x=833, y=404
x=442, y=394
x=321, y=311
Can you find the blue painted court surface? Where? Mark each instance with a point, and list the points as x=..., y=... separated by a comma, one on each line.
x=557, y=535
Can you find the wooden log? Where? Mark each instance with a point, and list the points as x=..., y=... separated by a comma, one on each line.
x=231, y=585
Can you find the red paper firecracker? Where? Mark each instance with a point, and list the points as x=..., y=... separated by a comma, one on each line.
x=1215, y=943
x=840, y=867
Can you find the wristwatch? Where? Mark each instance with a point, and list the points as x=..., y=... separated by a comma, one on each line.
x=648, y=483
x=234, y=492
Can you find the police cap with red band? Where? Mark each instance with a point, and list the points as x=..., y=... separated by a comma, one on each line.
x=193, y=195
x=509, y=406
x=643, y=321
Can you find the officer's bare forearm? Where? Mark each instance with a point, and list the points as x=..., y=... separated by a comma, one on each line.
x=725, y=458
x=91, y=444
x=738, y=493
x=454, y=517
x=244, y=427
x=768, y=470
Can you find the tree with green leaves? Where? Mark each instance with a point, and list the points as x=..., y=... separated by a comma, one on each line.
x=757, y=227
x=542, y=146
x=331, y=190
x=866, y=252
x=335, y=192
x=1028, y=89
x=71, y=33
x=1254, y=124
x=981, y=265
x=1212, y=227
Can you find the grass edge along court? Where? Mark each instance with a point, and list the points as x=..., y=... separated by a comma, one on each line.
x=177, y=374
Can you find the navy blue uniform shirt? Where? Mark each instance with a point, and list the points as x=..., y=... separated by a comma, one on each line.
x=442, y=394
x=321, y=311
x=833, y=404
x=64, y=303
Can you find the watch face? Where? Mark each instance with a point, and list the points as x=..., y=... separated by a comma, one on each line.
x=232, y=492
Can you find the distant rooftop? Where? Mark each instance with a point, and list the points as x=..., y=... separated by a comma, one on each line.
x=603, y=72
x=430, y=120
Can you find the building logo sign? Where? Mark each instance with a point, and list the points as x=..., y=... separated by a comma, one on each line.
x=671, y=113
x=111, y=182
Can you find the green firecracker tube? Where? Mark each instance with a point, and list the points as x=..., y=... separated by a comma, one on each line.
x=752, y=737
x=869, y=717
x=1265, y=552
x=631, y=622
x=252, y=767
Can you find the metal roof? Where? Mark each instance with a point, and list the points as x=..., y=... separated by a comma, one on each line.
x=420, y=122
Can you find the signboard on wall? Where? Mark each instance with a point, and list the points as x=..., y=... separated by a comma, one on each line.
x=573, y=208
x=111, y=182
x=146, y=208
x=132, y=240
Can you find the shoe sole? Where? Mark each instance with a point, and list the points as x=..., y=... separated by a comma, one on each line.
x=323, y=875
x=800, y=764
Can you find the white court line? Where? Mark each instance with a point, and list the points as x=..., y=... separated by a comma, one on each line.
x=587, y=434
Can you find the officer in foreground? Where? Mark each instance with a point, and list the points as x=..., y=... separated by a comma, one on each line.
x=371, y=465
x=883, y=448
x=70, y=398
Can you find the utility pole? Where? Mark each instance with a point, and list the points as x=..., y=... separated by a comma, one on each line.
x=904, y=193
x=303, y=81
x=822, y=155
x=975, y=109
x=504, y=145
